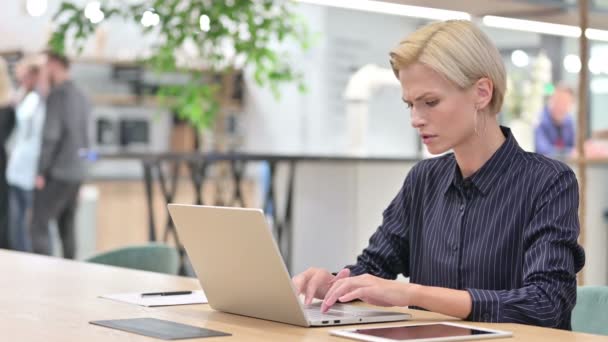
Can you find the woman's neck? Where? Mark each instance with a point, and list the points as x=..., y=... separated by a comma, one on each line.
x=473, y=153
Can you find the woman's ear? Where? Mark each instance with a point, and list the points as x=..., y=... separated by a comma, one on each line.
x=483, y=90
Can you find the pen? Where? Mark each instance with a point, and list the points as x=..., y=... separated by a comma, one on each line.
x=173, y=293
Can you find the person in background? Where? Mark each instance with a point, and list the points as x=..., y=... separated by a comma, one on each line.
x=7, y=122
x=61, y=169
x=554, y=135
x=23, y=160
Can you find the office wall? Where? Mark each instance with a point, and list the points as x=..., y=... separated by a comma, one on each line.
x=316, y=121
x=291, y=122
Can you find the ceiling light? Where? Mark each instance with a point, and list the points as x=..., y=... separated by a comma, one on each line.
x=572, y=64
x=36, y=8
x=543, y=27
x=596, y=34
x=520, y=58
x=594, y=66
x=93, y=12
x=392, y=8
x=532, y=26
x=150, y=18
x=91, y=8
x=204, y=23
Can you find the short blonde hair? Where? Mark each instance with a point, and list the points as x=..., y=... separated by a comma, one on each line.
x=458, y=50
x=6, y=86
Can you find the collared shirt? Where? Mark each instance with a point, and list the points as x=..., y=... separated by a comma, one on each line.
x=507, y=234
x=551, y=139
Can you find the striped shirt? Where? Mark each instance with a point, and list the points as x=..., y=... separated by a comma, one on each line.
x=507, y=234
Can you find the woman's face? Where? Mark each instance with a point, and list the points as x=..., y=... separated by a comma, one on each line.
x=443, y=114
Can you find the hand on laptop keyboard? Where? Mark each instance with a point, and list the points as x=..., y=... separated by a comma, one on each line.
x=315, y=282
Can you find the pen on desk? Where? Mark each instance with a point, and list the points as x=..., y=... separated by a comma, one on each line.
x=173, y=293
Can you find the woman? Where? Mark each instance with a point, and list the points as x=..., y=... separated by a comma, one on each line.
x=7, y=121
x=486, y=233
x=23, y=161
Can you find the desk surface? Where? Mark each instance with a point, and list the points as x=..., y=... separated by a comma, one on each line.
x=50, y=299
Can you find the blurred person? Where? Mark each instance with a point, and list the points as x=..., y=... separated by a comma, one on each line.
x=554, y=135
x=7, y=122
x=23, y=159
x=61, y=169
x=486, y=233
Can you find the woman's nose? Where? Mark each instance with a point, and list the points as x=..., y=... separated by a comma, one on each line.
x=416, y=119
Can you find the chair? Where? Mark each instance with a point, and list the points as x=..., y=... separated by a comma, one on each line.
x=151, y=257
x=590, y=315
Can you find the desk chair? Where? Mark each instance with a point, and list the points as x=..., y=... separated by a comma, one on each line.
x=590, y=315
x=150, y=257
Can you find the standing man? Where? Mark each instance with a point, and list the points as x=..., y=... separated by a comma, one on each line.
x=61, y=169
x=554, y=136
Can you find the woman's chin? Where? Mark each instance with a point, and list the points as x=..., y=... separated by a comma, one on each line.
x=436, y=150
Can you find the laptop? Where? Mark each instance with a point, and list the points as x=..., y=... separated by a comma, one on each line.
x=239, y=266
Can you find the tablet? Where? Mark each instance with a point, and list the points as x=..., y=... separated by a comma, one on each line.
x=429, y=332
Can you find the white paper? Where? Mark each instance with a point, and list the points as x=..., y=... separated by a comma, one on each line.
x=196, y=297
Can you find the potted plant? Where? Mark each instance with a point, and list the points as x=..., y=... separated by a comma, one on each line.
x=200, y=38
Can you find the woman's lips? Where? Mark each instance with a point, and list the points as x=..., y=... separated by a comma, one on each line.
x=428, y=138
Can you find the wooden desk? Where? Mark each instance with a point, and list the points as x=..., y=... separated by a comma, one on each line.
x=50, y=299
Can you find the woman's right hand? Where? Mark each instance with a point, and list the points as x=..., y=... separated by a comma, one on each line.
x=315, y=282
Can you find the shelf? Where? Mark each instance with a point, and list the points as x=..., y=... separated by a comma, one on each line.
x=147, y=101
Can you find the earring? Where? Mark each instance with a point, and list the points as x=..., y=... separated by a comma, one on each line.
x=475, y=120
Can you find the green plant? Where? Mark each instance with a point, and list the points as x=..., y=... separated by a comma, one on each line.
x=514, y=97
x=526, y=90
x=245, y=28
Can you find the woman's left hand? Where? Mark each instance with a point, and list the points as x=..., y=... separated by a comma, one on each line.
x=370, y=289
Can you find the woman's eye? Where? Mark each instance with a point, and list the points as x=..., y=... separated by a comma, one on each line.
x=408, y=105
x=432, y=103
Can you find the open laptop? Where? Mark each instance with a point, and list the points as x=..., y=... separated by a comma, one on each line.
x=241, y=271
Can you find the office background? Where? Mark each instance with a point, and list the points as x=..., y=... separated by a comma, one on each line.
x=332, y=204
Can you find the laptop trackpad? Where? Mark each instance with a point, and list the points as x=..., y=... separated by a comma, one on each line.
x=335, y=313
x=335, y=307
